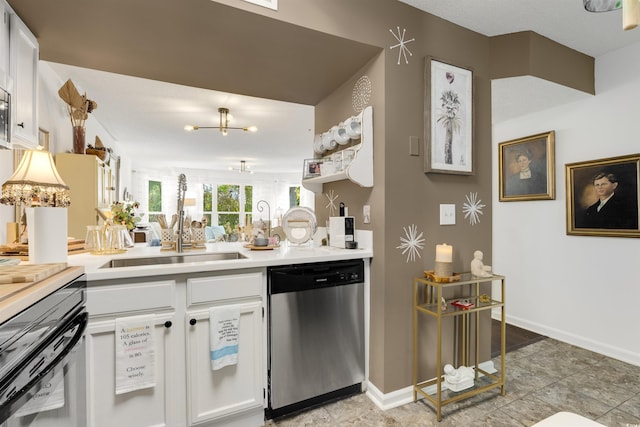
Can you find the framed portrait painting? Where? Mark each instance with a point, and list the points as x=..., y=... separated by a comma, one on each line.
x=449, y=113
x=603, y=197
x=526, y=168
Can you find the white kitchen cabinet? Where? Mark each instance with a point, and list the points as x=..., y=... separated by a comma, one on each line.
x=232, y=395
x=231, y=390
x=23, y=63
x=187, y=392
x=146, y=407
x=90, y=183
x=4, y=46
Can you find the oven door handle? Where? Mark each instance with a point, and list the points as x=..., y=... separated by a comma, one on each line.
x=17, y=397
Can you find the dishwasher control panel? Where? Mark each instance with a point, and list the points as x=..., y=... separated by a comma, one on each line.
x=299, y=277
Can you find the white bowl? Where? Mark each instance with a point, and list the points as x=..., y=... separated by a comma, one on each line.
x=353, y=127
x=340, y=134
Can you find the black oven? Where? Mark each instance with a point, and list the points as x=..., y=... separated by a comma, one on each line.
x=42, y=361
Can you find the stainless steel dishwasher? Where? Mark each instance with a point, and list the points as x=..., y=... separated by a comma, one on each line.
x=316, y=334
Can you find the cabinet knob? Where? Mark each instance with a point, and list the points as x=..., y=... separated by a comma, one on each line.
x=21, y=124
x=193, y=321
x=168, y=324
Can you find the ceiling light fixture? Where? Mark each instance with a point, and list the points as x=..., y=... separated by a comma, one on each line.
x=225, y=118
x=243, y=168
x=630, y=10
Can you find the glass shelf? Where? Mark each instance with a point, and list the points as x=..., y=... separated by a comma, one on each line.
x=427, y=299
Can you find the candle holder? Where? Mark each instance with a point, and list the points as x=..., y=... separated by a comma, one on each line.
x=443, y=269
x=444, y=260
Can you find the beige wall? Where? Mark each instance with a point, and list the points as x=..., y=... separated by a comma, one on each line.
x=403, y=195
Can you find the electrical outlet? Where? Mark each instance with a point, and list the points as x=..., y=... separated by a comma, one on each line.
x=366, y=214
x=447, y=214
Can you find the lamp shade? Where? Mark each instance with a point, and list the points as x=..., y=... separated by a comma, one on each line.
x=36, y=182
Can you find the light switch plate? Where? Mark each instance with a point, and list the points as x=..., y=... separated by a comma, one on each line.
x=366, y=214
x=414, y=146
x=447, y=214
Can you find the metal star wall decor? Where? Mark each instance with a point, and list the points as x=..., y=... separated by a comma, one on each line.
x=332, y=202
x=402, y=44
x=472, y=208
x=411, y=243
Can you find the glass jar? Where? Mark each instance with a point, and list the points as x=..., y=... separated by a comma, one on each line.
x=93, y=240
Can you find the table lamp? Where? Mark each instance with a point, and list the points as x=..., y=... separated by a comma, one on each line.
x=37, y=185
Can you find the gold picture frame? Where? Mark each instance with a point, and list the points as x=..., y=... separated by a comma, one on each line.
x=614, y=180
x=526, y=168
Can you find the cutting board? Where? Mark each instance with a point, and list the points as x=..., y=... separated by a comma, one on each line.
x=16, y=278
x=28, y=273
x=74, y=246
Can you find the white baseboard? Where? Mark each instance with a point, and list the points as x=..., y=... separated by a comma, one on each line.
x=403, y=396
x=577, y=340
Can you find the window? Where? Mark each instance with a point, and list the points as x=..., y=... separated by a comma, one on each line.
x=207, y=202
x=231, y=204
x=155, y=199
x=294, y=196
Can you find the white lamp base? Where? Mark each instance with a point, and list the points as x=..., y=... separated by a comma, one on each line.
x=47, y=232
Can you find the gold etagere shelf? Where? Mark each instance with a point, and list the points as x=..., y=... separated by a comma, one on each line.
x=429, y=299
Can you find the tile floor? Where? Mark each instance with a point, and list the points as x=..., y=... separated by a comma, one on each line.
x=542, y=378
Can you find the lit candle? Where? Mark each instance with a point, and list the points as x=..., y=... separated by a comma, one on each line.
x=444, y=253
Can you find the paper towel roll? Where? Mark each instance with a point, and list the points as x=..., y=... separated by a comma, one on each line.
x=47, y=231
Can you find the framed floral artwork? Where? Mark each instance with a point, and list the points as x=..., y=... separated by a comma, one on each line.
x=448, y=118
x=603, y=197
x=526, y=168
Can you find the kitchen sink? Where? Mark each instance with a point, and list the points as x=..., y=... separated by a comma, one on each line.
x=173, y=259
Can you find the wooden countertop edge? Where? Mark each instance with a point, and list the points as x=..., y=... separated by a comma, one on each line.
x=21, y=300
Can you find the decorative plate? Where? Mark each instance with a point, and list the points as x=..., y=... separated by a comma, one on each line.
x=299, y=224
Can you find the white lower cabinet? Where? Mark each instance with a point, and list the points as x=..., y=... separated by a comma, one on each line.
x=232, y=395
x=187, y=391
x=231, y=391
x=145, y=407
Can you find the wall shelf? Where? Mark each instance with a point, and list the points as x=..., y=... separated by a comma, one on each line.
x=360, y=170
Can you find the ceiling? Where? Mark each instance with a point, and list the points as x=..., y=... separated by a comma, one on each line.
x=205, y=48
x=564, y=21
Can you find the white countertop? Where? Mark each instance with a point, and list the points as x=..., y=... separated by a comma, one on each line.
x=285, y=254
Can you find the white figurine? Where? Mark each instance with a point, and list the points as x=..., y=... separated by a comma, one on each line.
x=458, y=379
x=478, y=268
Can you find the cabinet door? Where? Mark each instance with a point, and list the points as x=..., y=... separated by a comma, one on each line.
x=4, y=45
x=233, y=389
x=147, y=407
x=24, y=95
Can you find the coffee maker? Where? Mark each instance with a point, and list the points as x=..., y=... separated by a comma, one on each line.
x=342, y=229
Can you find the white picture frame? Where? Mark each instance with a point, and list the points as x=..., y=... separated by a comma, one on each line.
x=449, y=128
x=271, y=4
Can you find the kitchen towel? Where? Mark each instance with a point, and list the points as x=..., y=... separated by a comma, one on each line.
x=50, y=396
x=224, y=328
x=135, y=353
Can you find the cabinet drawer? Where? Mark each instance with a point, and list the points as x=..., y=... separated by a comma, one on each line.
x=103, y=300
x=215, y=288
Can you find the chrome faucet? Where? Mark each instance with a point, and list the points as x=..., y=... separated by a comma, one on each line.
x=182, y=189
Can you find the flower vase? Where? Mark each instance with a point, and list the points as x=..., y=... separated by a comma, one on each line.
x=78, y=139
